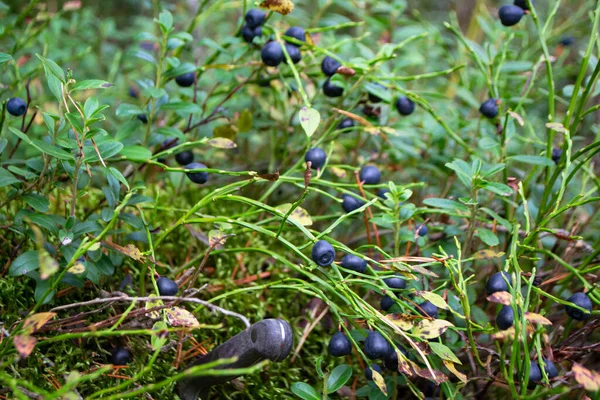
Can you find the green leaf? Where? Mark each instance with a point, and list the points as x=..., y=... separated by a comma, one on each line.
x=136, y=153
x=25, y=263
x=91, y=84
x=128, y=110
x=50, y=67
x=74, y=119
x=6, y=178
x=165, y=20
x=310, y=120
x=304, y=391
x=42, y=146
x=3, y=143
x=154, y=92
x=443, y=352
x=498, y=188
x=182, y=107
x=184, y=68
x=107, y=150
x=446, y=204
x=37, y=202
x=117, y=174
x=338, y=378
x=487, y=236
x=4, y=58
x=143, y=55
x=380, y=92
x=535, y=160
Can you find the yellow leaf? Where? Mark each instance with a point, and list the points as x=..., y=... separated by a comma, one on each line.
x=216, y=239
x=152, y=304
x=433, y=298
x=133, y=252
x=299, y=214
x=36, y=321
x=556, y=126
x=430, y=329
x=378, y=379
x=500, y=297
x=487, y=254
x=78, y=268
x=222, y=143
x=281, y=6
x=340, y=173
x=537, y=319
x=517, y=117
x=402, y=321
x=178, y=316
x=452, y=368
x=24, y=344
x=590, y=380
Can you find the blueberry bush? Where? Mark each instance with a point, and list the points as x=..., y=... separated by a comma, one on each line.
x=413, y=186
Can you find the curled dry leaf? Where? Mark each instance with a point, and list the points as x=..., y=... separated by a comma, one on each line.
x=452, y=368
x=378, y=379
x=590, y=380
x=500, y=297
x=24, y=344
x=36, y=321
x=347, y=71
x=537, y=319
x=431, y=329
x=178, y=316
x=517, y=117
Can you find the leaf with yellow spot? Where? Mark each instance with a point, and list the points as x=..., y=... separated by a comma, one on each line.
x=431, y=329
x=500, y=297
x=36, y=321
x=452, y=368
x=177, y=316
x=590, y=380
x=152, y=304
x=24, y=344
x=299, y=214
x=402, y=321
x=222, y=143
x=537, y=319
x=77, y=269
x=434, y=299
x=379, y=381
x=283, y=7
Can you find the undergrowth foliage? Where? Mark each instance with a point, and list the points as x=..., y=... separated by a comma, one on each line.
x=422, y=192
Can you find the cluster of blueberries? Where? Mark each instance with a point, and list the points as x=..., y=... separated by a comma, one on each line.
x=511, y=14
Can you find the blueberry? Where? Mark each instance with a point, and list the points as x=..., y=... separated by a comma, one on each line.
x=186, y=80
x=297, y=33
x=505, y=318
x=332, y=90
x=330, y=65
x=143, y=118
x=351, y=203
x=422, y=230
x=255, y=18
x=489, y=108
x=550, y=368
x=355, y=263
x=293, y=52
x=166, y=286
x=272, y=54
x=391, y=359
x=386, y=302
x=370, y=175
x=496, y=283
x=323, y=253
x=376, y=346
x=405, y=106
x=339, y=345
x=582, y=300
x=510, y=15
x=133, y=93
x=428, y=309
x=16, y=106
x=121, y=356
x=346, y=123
x=567, y=41
x=185, y=157
x=374, y=98
x=523, y=4
x=395, y=282
x=197, y=177
x=316, y=156
x=248, y=34
x=382, y=191
x=535, y=374
x=556, y=154
x=369, y=371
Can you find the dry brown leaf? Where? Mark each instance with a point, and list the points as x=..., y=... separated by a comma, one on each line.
x=24, y=344
x=36, y=321
x=537, y=319
x=590, y=380
x=283, y=7
x=500, y=297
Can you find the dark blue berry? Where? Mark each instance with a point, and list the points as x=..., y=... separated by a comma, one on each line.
x=382, y=191
x=248, y=34
x=567, y=41
x=330, y=65
x=166, y=286
x=346, y=123
x=355, y=263
x=370, y=175
x=550, y=368
x=16, y=106
x=505, y=318
x=376, y=346
x=373, y=98
x=489, y=108
x=496, y=283
x=255, y=18
x=395, y=282
x=332, y=90
x=523, y=4
x=323, y=253
x=294, y=52
x=186, y=80
x=197, y=177
x=369, y=371
x=297, y=33
x=422, y=230
x=405, y=106
x=133, y=93
x=351, y=203
x=339, y=345
x=510, y=15
x=185, y=157
x=391, y=359
x=428, y=309
x=386, y=302
x=143, y=118
x=121, y=356
x=272, y=54
x=582, y=300
x=556, y=154
x=316, y=156
x=535, y=374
